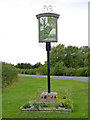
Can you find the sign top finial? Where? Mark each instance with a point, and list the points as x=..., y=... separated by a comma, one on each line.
x=47, y=9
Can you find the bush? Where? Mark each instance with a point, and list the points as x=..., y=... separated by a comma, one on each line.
x=69, y=71
x=64, y=97
x=27, y=71
x=43, y=105
x=22, y=71
x=82, y=71
x=27, y=105
x=9, y=74
x=59, y=69
x=31, y=71
x=42, y=70
x=67, y=103
x=36, y=106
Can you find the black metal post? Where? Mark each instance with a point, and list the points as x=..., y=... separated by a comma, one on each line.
x=48, y=48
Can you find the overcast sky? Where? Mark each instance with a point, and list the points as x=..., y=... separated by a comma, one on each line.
x=19, y=28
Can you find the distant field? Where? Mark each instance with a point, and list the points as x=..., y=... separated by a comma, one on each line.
x=30, y=88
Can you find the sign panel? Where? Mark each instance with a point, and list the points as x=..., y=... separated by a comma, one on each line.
x=47, y=29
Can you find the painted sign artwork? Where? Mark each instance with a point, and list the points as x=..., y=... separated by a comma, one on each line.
x=47, y=29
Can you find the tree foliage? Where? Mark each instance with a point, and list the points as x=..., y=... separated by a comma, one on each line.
x=69, y=61
x=28, y=65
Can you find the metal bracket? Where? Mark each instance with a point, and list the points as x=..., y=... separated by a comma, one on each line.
x=48, y=46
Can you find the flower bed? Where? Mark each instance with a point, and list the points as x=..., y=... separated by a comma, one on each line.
x=62, y=105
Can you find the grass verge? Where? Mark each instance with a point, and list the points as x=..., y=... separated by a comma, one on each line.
x=30, y=88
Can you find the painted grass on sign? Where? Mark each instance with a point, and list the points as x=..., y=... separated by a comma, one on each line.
x=30, y=88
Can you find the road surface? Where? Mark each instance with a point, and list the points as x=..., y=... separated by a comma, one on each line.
x=59, y=77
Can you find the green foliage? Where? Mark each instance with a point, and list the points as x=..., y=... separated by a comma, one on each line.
x=42, y=70
x=24, y=65
x=27, y=71
x=64, y=97
x=72, y=56
x=56, y=105
x=69, y=72
x=9, y=74
x=67, y=103
x=82, y=71
x=28, y=65
x=27, y=105
x=43, y=105
x=64, y=61
x=31, y=71
x=59, y=69
x=57, y=54
x=36, y=106
x=37, y=65
x=69, y=60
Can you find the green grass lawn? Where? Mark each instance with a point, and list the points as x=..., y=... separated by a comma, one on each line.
x=30, y=88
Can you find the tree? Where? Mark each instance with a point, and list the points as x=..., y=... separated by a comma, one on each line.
x=72, y=56
x=37, y=65
x=24, y=65
x=59, y=69
x=84, y=56
x=57, y=54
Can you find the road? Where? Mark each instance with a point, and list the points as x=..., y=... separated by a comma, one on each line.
x=59, y=77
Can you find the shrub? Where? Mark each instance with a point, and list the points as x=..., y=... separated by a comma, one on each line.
x=27, y=105
x=9, y=74
x=64, y=97
x=70, y=71
x=62, y=103
x=32, y=71
x=42, y=70
x=22, y=71
x=43, y=105
x=67, y=103
x=59, y=69
x=82, y=71
x=36, y=106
